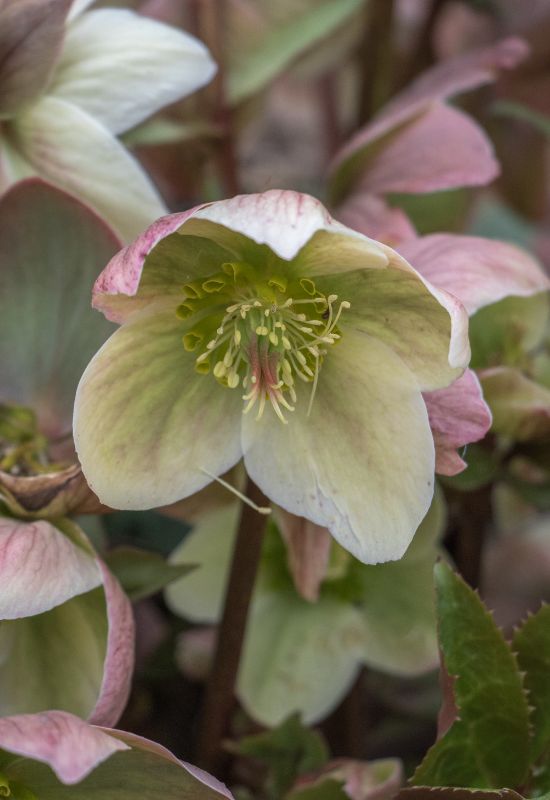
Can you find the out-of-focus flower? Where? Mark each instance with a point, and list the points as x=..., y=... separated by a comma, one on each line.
x=55, y=590
x=72, y=82
x=418, y=144
x=56, y=756
x=360, y=780
x=51, y=249
x=324, y=339
x=481, y=273
x=304, y=655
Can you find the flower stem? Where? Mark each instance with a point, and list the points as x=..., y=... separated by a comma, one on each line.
x=220, y=689
x=376, y=62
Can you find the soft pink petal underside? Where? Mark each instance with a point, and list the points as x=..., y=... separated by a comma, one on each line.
x=71, y=747
x=458, y=415
x=477, y=271
x=119, y=660
x=441, y=82
x=40, y=568
x=373, y=217
x=441, y=149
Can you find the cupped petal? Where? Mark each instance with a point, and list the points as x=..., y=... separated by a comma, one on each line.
x=520, y=406
x=199, y=596
x=78, y=7
x=157, y=264
x=441, y=149
x=425, y=326
x=121, y=67
x=141, y=769
x=445, y=80
x=373, y=217
x=476, y=270
x=71, y=747
x=40, y=568
x=458, y=416
x=51, y=250
x=32, y=35
x=298, y=656
x=75, y=152
x=119, y=659
x=148, y=429
x=337, y=466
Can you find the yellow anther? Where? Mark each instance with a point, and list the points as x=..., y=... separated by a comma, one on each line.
x=219, y=369
x=274, y=339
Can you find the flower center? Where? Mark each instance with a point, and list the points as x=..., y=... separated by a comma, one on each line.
x=260, y=335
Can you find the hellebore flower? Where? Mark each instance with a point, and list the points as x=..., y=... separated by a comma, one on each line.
x=263, y=304
x=303, y=653
x=55, y=590
x=417, y=144
x=51, y=248
x=56, y=756
x=71, y=82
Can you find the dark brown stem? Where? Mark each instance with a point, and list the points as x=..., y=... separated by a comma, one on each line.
x=220, y=689
x=213, y=20
x=376, y=59
x=474, y=515
x=422, y=55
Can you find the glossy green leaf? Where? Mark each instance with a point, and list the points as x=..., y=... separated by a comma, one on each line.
x=141, y=573
x=531, y=644
x=288, y=751
x=451, y=793
x=488, y=745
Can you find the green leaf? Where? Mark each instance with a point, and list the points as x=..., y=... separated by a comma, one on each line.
x=290, y=750
x=145, y=529
x=141, y=573
x=326, y=789
x=487, y=747
x=255, y=67
x=450, y=793
x=531, y=644
x=506, y=108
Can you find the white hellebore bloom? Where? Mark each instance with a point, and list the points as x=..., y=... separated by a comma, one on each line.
x=325, y=339
x=71, y=81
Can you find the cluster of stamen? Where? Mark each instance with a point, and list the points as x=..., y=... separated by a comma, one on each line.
x=269, y=336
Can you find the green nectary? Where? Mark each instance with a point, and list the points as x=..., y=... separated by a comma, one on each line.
x=14, y=789
x=260, y=333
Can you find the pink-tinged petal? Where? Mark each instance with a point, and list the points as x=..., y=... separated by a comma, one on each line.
x=443, y=81
x=283, y=220
x=478, y=271
x=460, y=74
x=32, y=35
x=441, y=149
x=373, y=217
x=40, y=568
x=146, y=745
x=521, y=407
x=120, y=278
x=308, y=551
x=71, y=747
x=458, y=415
x=119, y=660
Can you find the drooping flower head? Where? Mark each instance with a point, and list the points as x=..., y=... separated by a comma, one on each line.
x=259, y=327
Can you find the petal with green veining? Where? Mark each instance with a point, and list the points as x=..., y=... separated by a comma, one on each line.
x=344, y=476
x=146, y=423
